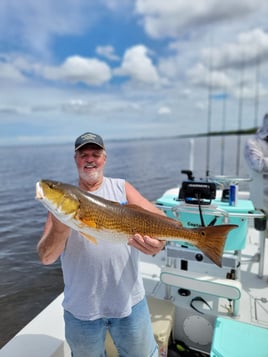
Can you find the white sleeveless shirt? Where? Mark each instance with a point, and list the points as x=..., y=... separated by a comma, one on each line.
x=103, y=280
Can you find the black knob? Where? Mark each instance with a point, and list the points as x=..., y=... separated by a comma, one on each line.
x=199, y=257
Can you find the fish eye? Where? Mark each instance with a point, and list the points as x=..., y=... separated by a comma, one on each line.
x=51, y=185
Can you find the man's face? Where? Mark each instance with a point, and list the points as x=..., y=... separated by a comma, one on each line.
x=90, y=161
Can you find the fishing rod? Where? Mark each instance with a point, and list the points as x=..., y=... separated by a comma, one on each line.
x=240, y=115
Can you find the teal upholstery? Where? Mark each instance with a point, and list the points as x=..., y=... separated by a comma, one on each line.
x=233, y=338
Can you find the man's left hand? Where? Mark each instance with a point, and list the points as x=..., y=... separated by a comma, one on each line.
x=146, y=244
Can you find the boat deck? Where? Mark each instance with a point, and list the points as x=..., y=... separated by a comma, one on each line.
x=253, y=303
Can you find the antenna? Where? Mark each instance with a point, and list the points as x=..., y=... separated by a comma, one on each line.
x=256, y=101
x=209, y=115
x=240, y=114
x=223, y=130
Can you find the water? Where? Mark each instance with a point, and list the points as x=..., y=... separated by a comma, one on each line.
x=152, y=166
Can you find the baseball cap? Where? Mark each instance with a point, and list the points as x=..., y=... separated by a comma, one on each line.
x=88, y=138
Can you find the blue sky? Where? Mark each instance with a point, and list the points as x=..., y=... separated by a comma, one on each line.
x=130, y=68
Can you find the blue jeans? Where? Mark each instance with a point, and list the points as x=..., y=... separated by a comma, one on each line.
x=132, y=335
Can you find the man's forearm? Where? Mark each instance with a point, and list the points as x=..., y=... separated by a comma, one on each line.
x=53, y=240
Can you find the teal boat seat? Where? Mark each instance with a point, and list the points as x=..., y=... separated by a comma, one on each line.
x=189, y=216
x=219, y=211
x=233, y=338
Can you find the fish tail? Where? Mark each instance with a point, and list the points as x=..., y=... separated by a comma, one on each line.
x=214, y=240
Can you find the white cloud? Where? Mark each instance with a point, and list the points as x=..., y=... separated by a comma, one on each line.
x=164, y=110
x=245, y=50
x=201, y=76
x=10, y=73
x=173, y=18
x=74, y=69
x=107, y=52
x=250, y=92
x=77, y=69
x=138, y=66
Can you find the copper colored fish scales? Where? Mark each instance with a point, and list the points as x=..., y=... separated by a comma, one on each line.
x=97, y=218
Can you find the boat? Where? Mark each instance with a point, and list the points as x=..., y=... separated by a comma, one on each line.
x=197, y=308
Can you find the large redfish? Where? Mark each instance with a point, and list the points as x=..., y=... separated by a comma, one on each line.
x=97, y=218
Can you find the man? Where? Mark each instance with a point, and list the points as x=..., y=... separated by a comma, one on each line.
x=256, y=155
x=103, y=287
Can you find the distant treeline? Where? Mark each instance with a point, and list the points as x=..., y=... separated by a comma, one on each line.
x=219, y=133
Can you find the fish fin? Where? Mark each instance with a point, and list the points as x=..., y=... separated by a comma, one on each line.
x=89, y=237
x=214, y=240
x=168, y=219
x=89, y=222
x=135, y=207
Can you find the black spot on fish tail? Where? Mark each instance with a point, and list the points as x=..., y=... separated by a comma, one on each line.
x=212, y=241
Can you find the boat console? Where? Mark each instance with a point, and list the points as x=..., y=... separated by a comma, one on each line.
x=198, y=204
x=201, y=290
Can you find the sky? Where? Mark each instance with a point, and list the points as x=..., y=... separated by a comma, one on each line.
x=130, y=68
